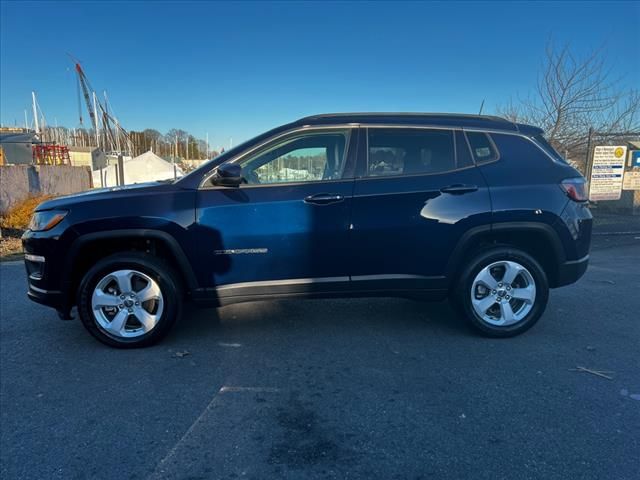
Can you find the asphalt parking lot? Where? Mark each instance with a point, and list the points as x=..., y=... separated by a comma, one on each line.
x=366, y=388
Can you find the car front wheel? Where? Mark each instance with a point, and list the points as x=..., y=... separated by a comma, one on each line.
x=129, y=300
x=503, y=292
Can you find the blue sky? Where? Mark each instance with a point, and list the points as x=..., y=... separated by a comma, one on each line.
x=238, y=69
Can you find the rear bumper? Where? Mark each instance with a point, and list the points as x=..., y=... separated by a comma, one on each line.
x=571, y=271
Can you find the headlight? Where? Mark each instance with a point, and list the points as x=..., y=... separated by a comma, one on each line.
x=42, y=221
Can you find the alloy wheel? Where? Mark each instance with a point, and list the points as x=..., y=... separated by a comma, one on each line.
x=503, y=293
x=127, y=303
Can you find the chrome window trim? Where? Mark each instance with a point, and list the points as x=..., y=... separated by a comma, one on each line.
x=555, y=160
x=517, y=134
x=365, y=127
x=302, y=129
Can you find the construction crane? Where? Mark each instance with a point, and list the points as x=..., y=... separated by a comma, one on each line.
x=109, y=123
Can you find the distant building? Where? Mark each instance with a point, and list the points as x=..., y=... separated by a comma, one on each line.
x=91, y=157
x=16, y=146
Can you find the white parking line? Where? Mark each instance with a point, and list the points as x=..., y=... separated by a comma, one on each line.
x=159, y=470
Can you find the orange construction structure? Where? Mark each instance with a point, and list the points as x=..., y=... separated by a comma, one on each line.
x=50, y=154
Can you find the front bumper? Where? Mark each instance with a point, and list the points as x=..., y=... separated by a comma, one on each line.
x=571, y=271
x=42, y=263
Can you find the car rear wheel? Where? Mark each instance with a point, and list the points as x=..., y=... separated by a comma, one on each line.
x=129, y=300
x=503, y=292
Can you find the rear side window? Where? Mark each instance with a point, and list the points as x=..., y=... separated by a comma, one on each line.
x=482, y=147
x=410, y=151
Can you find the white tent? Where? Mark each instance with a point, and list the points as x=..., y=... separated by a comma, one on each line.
x=147, y=167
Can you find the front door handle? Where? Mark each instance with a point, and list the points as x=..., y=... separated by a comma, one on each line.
x=324, y=198
x=459, y=189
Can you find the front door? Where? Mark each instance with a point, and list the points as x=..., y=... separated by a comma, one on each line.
x=418, y=191
x=285, y=229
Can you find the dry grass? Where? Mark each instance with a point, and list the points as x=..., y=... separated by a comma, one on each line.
x=18, y=217
x=10, y=248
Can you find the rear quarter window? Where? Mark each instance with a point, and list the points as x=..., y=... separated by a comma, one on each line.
x=546, y=146
x=482, y=148
x=514, y=148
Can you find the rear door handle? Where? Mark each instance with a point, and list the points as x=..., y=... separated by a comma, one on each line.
x=459, y=189
x=324, y=198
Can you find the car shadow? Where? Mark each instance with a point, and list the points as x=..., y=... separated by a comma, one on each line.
x=313, y=317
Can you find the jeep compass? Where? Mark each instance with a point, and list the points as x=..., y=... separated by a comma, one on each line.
x=426, y=206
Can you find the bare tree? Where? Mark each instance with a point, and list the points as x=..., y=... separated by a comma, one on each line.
x=573, y=95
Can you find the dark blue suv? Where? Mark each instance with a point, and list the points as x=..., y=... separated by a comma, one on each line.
x=423, y=206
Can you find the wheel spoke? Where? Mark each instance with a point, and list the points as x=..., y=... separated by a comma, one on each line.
x=123, y=279
x=527, y=294
x=511, y=271
x=150, y=292
x=147, y=319
x=484, y=304
x=487, y=279
x=111, y=309
x=506, y=312
x=103, y=299
x=117, y=325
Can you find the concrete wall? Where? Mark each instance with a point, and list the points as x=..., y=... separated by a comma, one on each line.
x=17, y=182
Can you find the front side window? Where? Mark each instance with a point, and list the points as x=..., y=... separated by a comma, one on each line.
x=409, y=151
x=307, y=157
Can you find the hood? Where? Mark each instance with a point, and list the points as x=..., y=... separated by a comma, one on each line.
x=68, y=201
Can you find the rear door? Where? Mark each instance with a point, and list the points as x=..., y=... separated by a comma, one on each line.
x=417, y=192
x=286, y=229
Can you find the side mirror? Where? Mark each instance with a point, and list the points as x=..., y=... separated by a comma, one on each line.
x=228, y=175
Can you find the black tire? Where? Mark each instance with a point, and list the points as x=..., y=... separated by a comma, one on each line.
x=156, y=269
x=462, y=301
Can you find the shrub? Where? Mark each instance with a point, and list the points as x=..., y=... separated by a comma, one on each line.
x=18, y=216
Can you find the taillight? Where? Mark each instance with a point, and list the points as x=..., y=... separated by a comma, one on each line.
x=576, y=189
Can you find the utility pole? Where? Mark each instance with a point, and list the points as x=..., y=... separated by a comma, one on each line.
x=95, y=115
x=588, y=166
x=35, y=112
x=121, y=168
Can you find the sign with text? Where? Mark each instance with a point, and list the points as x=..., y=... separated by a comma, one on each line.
x=607, y=172
x=631, y=180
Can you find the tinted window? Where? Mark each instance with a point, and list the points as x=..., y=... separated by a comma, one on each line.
x=400, y=151
x=463, y=157
x=546, y=146
x=515, y=148
x=482, y=147
x=304, y=158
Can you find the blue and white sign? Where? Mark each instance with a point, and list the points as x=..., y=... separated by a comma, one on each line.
x=607, y=172
x=635, y=158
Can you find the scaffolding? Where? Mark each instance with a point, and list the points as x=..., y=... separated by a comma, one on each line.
x=50, y=154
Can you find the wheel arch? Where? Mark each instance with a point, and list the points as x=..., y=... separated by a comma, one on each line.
x=125, y=240
x=539, y=240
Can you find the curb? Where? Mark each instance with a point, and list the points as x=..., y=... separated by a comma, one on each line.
x=614, y=233
x=12, y=262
